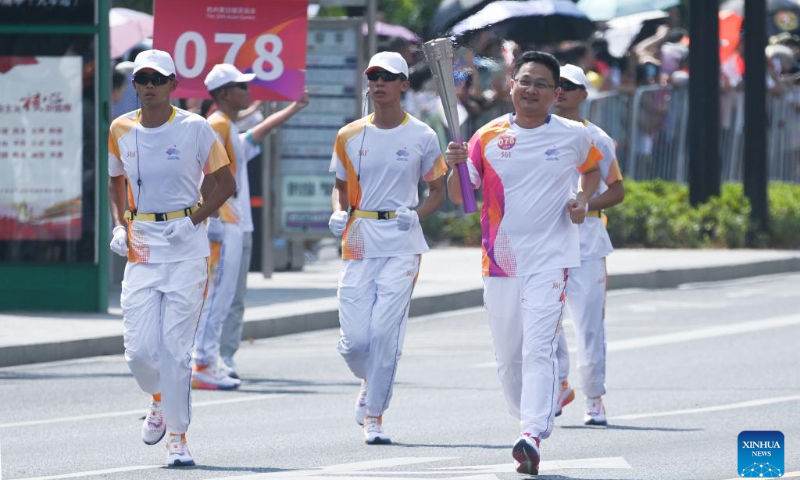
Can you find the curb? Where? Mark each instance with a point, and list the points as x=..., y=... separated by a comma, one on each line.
x=307, y=322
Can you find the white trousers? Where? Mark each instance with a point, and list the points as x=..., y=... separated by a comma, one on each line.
x=161, y=304
x=232, y=327
x=586, y=306
x=223, y=276
x=525, y=320
x=374, y=298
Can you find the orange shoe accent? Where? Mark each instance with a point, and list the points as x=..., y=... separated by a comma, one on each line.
x=200, y=368
x=182, y=435
x=157, y=397
x=379, y=417
x=569, y=398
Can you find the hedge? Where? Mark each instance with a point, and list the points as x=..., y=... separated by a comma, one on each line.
x=657, y=214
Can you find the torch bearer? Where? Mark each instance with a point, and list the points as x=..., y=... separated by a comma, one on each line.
x=439, y=53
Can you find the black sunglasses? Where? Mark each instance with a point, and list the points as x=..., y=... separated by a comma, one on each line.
x=241, y=85
x=156, y=78
x=384, y=75
x=569, y=86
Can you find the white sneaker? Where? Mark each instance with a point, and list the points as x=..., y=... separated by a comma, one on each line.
x=373, y=431
x=595, y=412
x=227, y=367
x=361, y=403
x=154, y=427
x=178, y=452
x=211, y=378
x=526, y=455
x=565, y=396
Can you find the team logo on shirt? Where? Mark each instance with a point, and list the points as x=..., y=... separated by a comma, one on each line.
x=506, y=141
x=173, y=153
x=402, y=155
x=551, y=154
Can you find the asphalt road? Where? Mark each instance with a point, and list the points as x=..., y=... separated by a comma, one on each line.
x=689, y=369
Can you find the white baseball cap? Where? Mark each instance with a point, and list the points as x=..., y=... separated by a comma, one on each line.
x=225, y=73
x=390, y=61
x=574, y=74
x=158, y=60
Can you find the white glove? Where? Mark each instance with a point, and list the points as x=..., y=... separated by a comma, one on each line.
x=179, y=231
x=216, y=231
x=338, y=222
x=119, y=243
x=406, y=218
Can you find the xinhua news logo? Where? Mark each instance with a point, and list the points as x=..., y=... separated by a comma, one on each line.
x=761, y=454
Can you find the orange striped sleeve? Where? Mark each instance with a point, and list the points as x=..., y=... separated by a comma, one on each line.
x=345, y=135
x=217, y=158
x=592, y=159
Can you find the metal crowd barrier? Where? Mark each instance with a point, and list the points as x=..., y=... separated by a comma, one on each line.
x=650, y=128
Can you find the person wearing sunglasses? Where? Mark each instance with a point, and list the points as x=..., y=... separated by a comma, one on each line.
x=526, y=161
x=157, y=158
x=230, y=228
x=378, y=161
x=586, y=291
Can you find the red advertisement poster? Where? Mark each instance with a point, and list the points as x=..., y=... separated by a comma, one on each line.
x=41, y=148
x=264, y=37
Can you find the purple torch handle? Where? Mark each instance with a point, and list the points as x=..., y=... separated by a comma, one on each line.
x=470, y=205
x=467, y=192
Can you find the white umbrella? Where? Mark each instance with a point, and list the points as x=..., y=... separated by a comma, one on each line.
x=622, y=30
x=128, y=27
x=598, y=10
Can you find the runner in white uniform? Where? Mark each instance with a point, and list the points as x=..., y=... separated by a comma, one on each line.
x=525, y=162
x=161, y=152
x=378, y=161
x=586, y=292
x=226, y=228
x=231, y=94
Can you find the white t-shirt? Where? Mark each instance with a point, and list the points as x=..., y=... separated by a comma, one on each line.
x=384, y=178
x=595, y=242
x=240, y=150
x=171, y=160
x=527, y=178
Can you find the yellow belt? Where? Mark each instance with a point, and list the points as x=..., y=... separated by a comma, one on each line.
x=372, y=215
x=594, y=213
x=161, y=217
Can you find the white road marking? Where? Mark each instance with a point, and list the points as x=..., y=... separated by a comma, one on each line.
x=701, y=333
x=549, y=465
x=691, y=335
x=342, y=468
x=95, y=472
x=716, y=408
x=141, y=411
x=358, y=471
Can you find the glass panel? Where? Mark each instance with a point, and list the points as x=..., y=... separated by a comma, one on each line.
x=47, y=12
x=47, y=148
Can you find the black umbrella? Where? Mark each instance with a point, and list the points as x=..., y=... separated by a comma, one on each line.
x=451, y=12
x=782, y=15
x=530, y=22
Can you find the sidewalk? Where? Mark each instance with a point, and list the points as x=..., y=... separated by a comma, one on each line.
x=293, y=302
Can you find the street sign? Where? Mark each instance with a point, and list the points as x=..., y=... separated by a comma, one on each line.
x=264, y=37
x=305, y=142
